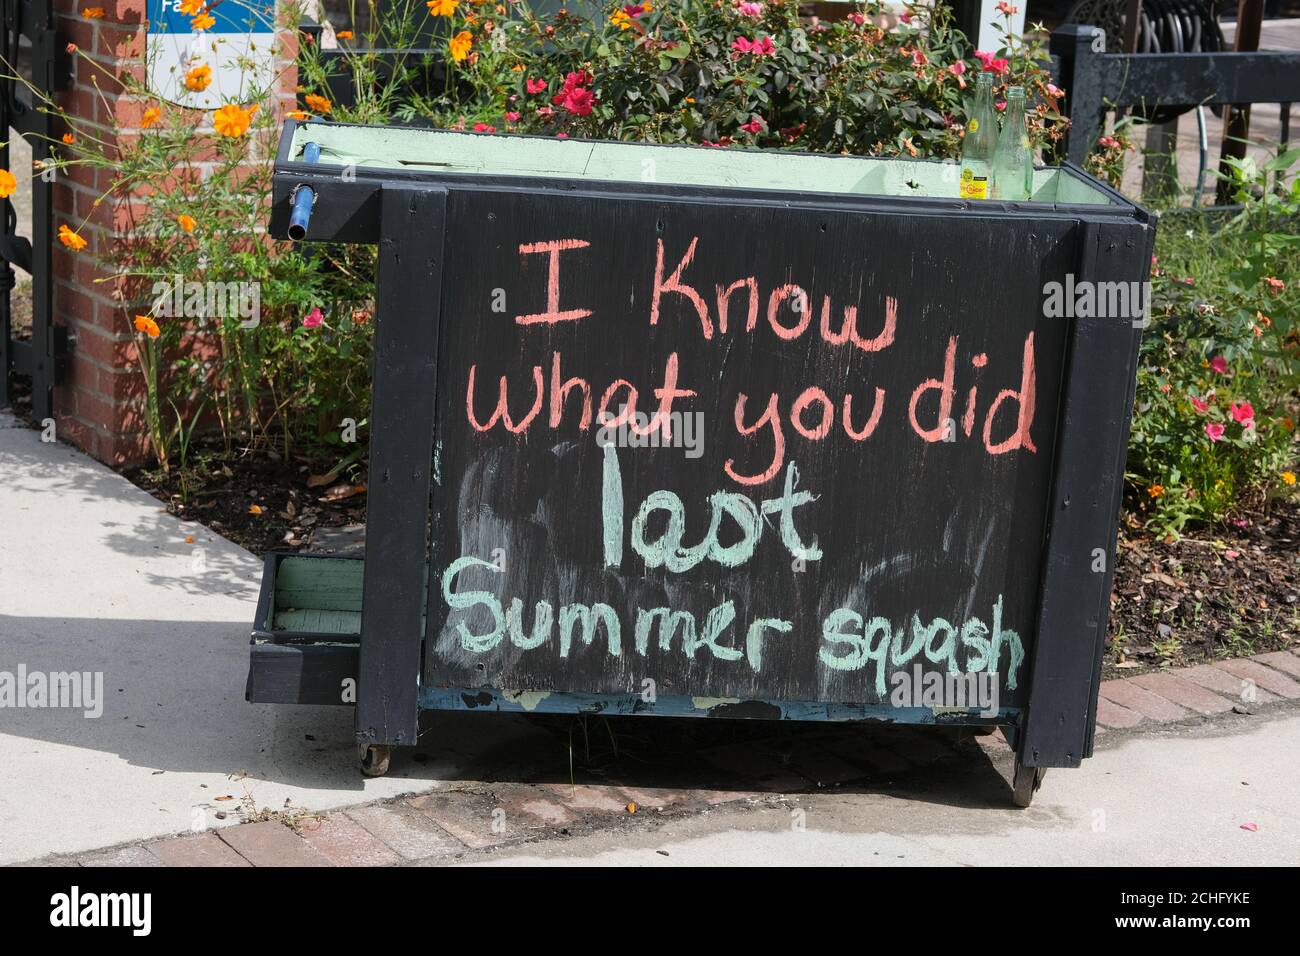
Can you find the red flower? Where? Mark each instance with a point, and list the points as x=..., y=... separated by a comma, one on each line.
x=1199, y=404
x=484, y=128
x=579, y=101
x=535, y=86
x=755, y=126
x=1243, y=414
x=1219, y=364
x=1214, y=430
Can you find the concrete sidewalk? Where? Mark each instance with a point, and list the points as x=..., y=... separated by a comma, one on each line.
x=95, y=576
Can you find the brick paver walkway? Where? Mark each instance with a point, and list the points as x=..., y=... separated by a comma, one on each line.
x=466, y=822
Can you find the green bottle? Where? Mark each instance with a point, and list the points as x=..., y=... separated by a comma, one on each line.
x=978, y=145
x=1013, y=164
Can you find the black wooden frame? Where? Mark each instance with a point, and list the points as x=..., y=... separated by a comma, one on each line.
x=405, y=214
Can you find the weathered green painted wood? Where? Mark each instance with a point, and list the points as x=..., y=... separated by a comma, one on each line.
x=322, y=584
x=320, y=621
x=450, y=151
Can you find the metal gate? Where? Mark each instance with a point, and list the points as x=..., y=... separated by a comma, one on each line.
x=31, y=49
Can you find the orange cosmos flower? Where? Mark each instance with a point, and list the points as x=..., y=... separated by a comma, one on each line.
x=7, y=184
x=231, y=121
x=186, y=222
x=442, y=8
x=297, y=114
x=203, y=21
x=69, y=138
x=460, y=45
x=199, y=78
x=344, y=34
x=317, y=103
x=147, y=325
x=150, y=118
x=93, y=13
x=71, y=239
x=191, y=7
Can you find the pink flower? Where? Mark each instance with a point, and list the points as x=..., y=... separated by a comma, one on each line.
x=761, y=47
x=754, y=10
x=857, y=19
x=986, y=59
x=545, y=112
x=1110, y=142
x=1214, y=430
x=1219, y=364
x=1199, y=404
x=561, y=135
x=512, y=117
x=1006, y=8
x=1000, y=105
x=1243, y=414
x=999, y=66
x=1275, y=285
x=1055, y=92
x=905, y=16
x=919, y=58
x=755, y=126
x=314, y=319
x=535, y=86
x=484, y=128
x=634, y=10
x=958, y=68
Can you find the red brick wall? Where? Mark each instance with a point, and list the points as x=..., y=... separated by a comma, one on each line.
x=100, y=406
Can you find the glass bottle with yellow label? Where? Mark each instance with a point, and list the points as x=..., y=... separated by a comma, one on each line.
x=979, y=143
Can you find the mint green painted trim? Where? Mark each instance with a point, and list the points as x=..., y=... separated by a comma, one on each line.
x=317, y=584
x=405, y=148
x=318, y=621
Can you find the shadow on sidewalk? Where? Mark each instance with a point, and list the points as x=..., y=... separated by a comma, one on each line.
x=173, y=702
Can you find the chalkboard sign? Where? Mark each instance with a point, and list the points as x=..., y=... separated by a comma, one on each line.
x=726, y=433
x=742, y=451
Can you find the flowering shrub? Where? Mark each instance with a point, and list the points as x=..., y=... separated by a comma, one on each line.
x=1214, y=433
x=715, y=72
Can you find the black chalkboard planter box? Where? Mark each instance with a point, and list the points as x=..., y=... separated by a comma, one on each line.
x=724, y=433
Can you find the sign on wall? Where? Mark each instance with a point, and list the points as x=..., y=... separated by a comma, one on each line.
x=205, y=55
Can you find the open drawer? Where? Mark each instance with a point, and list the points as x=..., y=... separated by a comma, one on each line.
x=307, y=634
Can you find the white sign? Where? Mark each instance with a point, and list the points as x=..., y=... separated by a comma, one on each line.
x=203, y=55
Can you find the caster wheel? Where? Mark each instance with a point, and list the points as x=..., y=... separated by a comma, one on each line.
x=374, y=760
x=1025, y=783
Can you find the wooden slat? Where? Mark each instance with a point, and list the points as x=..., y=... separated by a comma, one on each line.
x=412, y=224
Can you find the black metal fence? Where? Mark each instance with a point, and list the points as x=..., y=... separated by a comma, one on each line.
x=28, y=41
x=1096, y=81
